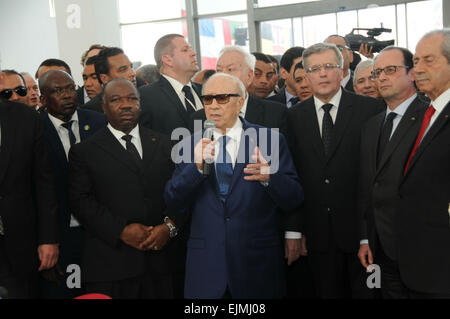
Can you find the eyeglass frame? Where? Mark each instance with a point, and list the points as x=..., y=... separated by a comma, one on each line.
x=226, y=96
x=375, y=74
x=16, y=89
x=326, y=66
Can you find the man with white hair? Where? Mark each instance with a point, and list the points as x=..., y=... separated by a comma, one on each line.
x=363, y=82
x=234, y=250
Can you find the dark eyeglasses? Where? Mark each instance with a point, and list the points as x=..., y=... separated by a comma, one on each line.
x=20, y=90
x=389, y=70
x=220, y=98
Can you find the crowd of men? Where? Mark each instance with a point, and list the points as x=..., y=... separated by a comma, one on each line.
x=259, y=179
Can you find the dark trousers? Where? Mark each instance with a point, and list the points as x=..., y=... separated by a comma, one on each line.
x=338, y=274
x=392, y=286
x=147, y=286
x=300, y=283
x=17, y=286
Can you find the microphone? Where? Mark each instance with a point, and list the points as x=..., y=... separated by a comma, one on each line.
x=209, y=127
x=3, y=293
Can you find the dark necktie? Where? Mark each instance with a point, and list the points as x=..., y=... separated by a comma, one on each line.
x=131, y=148
x=224, y=168
x=294, y=100
x=426, y=120
x=189, y=99
x=327, y=128
x=385, y=135
x=68, y=126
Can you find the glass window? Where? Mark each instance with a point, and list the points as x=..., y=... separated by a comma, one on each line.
x=401, y=26
x=298, y=32
x=317, y=28
x=346, y=21
x=215, y=33
x=418, y=25
x=143, y=10
x=208, y=6
x=270, y=3
x=276, y=36
x=138, y=40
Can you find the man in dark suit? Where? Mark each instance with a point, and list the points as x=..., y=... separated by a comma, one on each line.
x=347, y=53
x=234, y=249
x=289, y=60
x=386, y=143
x=261, y=85
x=423, y=238
x=28, y=207
x=168, y=103
x=64, y=126
x=116, y=185
x=110, y=63
x=325, y=132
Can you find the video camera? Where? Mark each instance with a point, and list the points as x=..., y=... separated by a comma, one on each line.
x=355, y=40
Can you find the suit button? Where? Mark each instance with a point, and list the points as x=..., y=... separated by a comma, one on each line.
x=376, y=184
x=329, y=209
x=327, y=181
x=227, y=219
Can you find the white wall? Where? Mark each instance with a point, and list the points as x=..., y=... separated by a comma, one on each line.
x=29, y=35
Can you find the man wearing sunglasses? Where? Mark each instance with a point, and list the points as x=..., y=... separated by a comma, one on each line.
x=347, y=53
x=386, y=143
x=12, y=87
x=234, y=249
x=28, y=207
x=325, y=132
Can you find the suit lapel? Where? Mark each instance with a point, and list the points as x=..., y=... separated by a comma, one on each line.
x=343, y=117
x=8, y=134
x=54, y=140
x=255, y=112
x=149, y=145
x=411, y=118
x=374, y=136
x=108, y=143
x=440, y=122
x=167, y=88
x=84, y=125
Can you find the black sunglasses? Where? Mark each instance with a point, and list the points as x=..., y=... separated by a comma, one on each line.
x=220, y=98
x=21, y=90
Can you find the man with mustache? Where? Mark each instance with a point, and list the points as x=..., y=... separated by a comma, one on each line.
x=116, y=185
x=64, y=125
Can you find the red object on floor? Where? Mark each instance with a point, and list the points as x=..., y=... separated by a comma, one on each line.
x=93, y=296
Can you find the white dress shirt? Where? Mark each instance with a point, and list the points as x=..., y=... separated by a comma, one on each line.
x=63, y=134
x=178, y=87
x=346, y=79
x=244, y=107
x=335, y=100
x=400, y=110
x=438, y=105
x=136, y=138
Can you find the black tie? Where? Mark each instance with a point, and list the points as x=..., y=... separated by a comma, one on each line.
x=294, y=100
x=385, y=135
x=189, y=99
x=131, y=148
x=68, y=126
x=327, y=128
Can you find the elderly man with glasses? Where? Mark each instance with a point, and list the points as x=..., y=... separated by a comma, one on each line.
x=234, y=249
x=325, y=133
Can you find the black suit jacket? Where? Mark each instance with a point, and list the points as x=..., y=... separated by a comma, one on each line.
x=106, y=197
x=94, y=104
x=80, y=95
x=161, y=108
x=280, y=97
x=349, y=85
x=378, y=188
x=424, y=210
x=28, y=204
x=261, y=112
x=330, y=183
x=89, y=122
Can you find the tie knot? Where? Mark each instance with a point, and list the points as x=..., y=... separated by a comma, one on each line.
x=327, y=107
x=430, y=111
x=67, y=125
x=294, y=100
x=186, y=89
x=391, y=116
x=127, y=138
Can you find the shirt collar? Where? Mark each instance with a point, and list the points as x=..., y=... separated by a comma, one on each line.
x=401, y=109
x=119, y=134
x=346, y=79
x=178, y=86
x=289, y=96
x=334, y=100
x=57, y=122
x=441, y=101
x=234, y=133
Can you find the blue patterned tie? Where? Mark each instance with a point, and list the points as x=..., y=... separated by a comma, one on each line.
x=224, y=168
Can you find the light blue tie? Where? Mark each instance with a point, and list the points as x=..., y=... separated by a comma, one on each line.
x=224, y=168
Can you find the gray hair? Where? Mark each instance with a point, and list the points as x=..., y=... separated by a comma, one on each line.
x=321, y=47
x=445, y=48
x=149, y=73
x=239, y=85
x=362, y=66
x=249, y=59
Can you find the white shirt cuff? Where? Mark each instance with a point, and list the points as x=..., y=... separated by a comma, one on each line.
x=292, y=235
x=364, y=241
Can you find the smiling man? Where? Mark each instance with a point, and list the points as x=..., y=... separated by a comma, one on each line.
x=363, y=82
x=325, y=132
x=64, y=126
